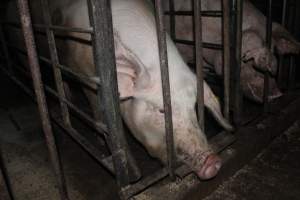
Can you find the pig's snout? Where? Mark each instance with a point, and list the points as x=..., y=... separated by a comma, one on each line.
x=210, y=168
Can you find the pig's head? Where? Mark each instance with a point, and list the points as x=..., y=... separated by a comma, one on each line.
x=144, y=113
x=283, y=41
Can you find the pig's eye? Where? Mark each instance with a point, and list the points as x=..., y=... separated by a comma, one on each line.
x=161, y=110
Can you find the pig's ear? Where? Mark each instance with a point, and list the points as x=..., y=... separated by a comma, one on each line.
x=130, y=70
x=284, y=42
x=126, y=79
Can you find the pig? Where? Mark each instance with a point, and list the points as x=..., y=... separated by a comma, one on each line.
x=138, y=73
x=256, y=57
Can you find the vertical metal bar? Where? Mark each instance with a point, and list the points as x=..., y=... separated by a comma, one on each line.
x=104, y=57
x=292, y=72
x=172, y=19
x=199, y=61
x=292, y=64
x=55, y=62
x=238, y=97
x=226, y=55
x=38, y=88
x=6, y=190
x=5, y=50
x=269, y=45
x=281, y=58
x=163, y=58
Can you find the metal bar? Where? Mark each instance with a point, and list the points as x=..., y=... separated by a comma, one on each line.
x=226, y=56
x=238, y=96
x=104, y=59
x=54, y=28
x=38, y=87
x=199, y=61
x=172, y=19
x=6, y=192
x=55, y=62
x=5, y=49
x=86, y=81
x=163, y=58
x=99, y=126
x=204, y=13
x=204, y=44
x=281, y=58
x=269, y=45
x=84, y=143
x=292, y=64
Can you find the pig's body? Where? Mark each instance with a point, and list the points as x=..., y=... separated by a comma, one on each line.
x=138, y=71
x=254, y=52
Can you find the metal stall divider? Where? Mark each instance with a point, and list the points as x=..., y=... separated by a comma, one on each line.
x=104, y=59
x=5, y=189
x=40, y=96
x=237, y=62
x=199, y=62
x=226, y=56
x=269, y=45
x=225, y=15
x=163, y=57
x=292, y=60
x=121, y=162
x=281, y=58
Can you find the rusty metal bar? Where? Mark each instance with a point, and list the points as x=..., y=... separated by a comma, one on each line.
x=226, y=56
x=238, y=96
x=84, y=143
x=172, y=19
x=163, y=58
x=199, y=61
x=6, y=192
x=54, y=28
x=204, y=13
x=55, y=61
x=269, y=45
x=5, y=49
x=38, y=87
x=292, y=64
x=281, y=58
x=86, y=81
x=204, y=44
x=104, y=59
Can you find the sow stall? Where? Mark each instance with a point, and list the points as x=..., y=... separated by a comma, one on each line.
x=235, y=148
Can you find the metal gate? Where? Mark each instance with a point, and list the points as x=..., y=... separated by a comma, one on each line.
x=120, y=161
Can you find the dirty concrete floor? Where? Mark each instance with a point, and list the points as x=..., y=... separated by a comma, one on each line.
x=274, y=174
x=26, y=159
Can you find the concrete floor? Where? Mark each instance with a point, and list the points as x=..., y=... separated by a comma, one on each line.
x=274, y=174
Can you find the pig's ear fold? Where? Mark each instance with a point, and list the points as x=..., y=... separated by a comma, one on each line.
x=130, y=70
x=284, y=42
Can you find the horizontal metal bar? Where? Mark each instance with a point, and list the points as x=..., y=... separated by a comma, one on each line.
x=101, y=158
x=204, y=44
x=97, y=126
x=204, y=13
x=53, y=27
x=134, y=189
x=87, y=81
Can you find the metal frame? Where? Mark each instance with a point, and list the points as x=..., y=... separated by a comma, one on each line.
x=121, y=162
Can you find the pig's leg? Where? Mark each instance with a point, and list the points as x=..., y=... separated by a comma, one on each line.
x=284, y=42
x=253, y=48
